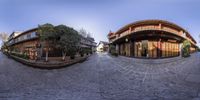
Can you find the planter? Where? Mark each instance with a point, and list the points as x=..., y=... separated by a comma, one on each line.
x=50, y=64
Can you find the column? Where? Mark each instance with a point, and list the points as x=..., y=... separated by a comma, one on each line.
x=180, y=49
x=159, y=48
x=117, y=48
x=131, y=49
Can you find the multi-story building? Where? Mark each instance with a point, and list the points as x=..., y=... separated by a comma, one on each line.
x=23, y=42
x=103, y=46
x=88, y=42
x=28, y=42
x=150, y=39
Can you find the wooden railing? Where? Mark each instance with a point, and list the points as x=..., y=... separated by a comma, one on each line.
x=150, y=27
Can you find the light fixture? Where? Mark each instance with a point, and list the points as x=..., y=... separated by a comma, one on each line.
x=126, y=40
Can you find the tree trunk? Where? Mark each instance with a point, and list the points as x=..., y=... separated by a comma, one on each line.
x=42, y=48
x=64, y=54
x=46, y=55
x=47, y=50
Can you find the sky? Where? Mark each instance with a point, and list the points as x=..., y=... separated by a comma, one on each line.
x=97, y=16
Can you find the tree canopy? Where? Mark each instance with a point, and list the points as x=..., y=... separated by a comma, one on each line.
x=63, y=37
x=46, y=32
x=186, y=48
x=3, y=37
x=68, y=39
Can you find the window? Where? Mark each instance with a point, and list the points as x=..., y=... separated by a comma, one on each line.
x=33, y=34
x=184, y=34
x=21, y=38
x=28, y=36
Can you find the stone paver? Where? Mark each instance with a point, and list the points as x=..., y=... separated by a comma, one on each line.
x=193, y=78
x=103, y=77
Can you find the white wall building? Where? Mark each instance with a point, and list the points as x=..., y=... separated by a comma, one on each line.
x=102, y=46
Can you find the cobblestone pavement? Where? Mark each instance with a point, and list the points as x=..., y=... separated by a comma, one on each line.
x=103, y=77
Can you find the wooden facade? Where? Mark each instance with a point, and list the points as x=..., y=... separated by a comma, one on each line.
x=151, y=49
x=150, y=39
x=28, y=43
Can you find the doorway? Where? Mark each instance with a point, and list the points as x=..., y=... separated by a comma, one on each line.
x=144, y=48
x=141, y=48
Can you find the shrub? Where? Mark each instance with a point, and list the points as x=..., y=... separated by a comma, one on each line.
x=198, y=49
x=23, y=55
x=114, y=54
x=186, y=48
x=72, y=56
x=81, y=52
x=87, y=51
x=113, y=51
x=72, y=52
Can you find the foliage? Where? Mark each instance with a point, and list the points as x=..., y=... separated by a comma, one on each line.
x=83, y=32
x=72, y=56
x=198, y=49
x=86, y=51
x=186, y=48
x=81, y=52
x=114, y=54
x=63, y=37
x=68, y=39
x=4, y=47
x=113, y=50
x=23, y=55
x=4, y=37
x=46, y=32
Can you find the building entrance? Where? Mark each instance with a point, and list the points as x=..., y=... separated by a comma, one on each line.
x=144, y=48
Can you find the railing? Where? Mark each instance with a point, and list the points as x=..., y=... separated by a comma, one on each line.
x=24, y=37
x=150, y=27
x=112, y=36
x=171, y=30
x=142, y=28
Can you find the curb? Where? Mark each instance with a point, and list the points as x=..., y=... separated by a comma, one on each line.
x=46, y=65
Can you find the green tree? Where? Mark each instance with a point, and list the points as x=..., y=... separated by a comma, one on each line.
x=83, y=32
x=4, y=47
x=112, y=50
x=186, y=48
x=68, y=40
x=198, y=49
x=3, y=38
x=63, y=37
x=46, y=34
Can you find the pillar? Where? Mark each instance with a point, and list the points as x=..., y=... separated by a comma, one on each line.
x=131, y=49
x=180, y=49
x=159, y=49
x=117, y=48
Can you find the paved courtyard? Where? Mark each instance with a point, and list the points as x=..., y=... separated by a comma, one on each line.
x=103, y=77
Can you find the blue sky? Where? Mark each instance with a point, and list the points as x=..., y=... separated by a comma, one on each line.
x=97, y=16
